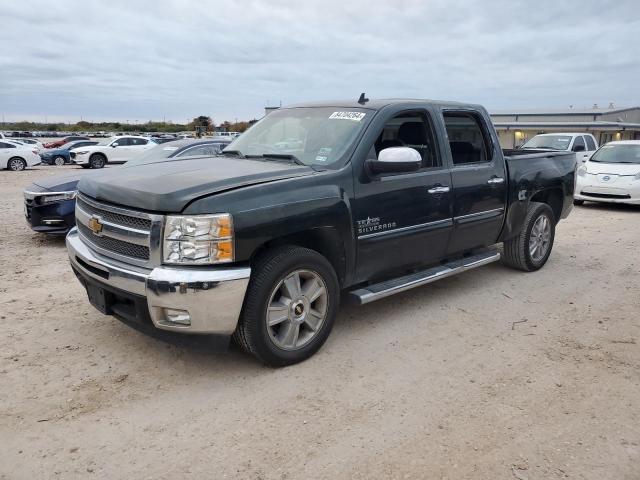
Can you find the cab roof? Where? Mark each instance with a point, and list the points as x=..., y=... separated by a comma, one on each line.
x=380, y=103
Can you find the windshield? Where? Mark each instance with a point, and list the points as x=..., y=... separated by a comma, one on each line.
x=620, y=153
x=552, y=142
x=159, y=152
x=312, y=136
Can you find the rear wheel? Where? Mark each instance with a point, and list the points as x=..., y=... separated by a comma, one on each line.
x=16, y=164
x=290, y=306
x=530, y=250
x=59, y=161
x=97, y=160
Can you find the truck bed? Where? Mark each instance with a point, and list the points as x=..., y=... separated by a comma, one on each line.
x=532, y=171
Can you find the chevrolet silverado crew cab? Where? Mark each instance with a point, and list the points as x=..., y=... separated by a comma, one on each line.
x=313, y=203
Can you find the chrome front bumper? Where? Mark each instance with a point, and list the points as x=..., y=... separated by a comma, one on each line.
x=212, y=296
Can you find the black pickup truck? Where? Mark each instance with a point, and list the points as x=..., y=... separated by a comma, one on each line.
x=313, y=203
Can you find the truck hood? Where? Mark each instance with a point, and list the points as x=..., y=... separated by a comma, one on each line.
x=169, y=185
x=613, y=168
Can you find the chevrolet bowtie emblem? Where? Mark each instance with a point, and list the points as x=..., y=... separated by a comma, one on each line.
x=95, y=226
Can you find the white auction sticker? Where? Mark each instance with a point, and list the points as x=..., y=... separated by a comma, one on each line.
x=354, y=116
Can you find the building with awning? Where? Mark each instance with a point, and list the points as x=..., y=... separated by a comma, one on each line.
x=606, y=124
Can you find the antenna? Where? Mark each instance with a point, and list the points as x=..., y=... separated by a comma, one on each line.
x=363, y=99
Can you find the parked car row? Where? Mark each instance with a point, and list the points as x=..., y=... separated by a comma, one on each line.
x=50, y=202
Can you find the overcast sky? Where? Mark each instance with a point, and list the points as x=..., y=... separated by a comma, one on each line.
x=142, y=60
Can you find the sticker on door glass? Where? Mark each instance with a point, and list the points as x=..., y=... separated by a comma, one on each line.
x=323, y=154
x=353, y=116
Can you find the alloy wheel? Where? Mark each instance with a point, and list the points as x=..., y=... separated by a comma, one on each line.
x=540, y=238
x=296, y=310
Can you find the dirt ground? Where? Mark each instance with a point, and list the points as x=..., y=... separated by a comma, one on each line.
x=494, y=374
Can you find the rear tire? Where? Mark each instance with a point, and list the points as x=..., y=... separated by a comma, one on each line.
x=530, y=250
x=578, y=202
x=97, y=160
x=292, y=289
x=16, y=164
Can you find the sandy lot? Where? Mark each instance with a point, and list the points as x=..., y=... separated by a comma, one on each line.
x=494, y=374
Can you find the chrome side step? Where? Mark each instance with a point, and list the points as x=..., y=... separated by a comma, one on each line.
x=374, y=292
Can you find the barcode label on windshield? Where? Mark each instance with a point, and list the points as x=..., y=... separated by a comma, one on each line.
x=354, y=116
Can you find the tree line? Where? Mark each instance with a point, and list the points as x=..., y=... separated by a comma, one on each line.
x=204, y=122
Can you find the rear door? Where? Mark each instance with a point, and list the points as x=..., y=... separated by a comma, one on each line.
x=403, y=220
x=479, y=180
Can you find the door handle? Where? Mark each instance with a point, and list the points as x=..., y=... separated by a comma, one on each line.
x=495, y=180
x=440, y=189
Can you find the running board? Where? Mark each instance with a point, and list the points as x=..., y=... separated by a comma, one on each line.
x=374, y=292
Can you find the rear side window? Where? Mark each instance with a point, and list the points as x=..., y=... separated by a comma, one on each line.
x=467, y=138
x=6, y=145
x=591, y=144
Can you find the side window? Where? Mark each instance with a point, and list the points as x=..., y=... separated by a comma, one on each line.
x=123, y=142
x=409, y=129
x=467, y=139
x=138, y=141
x=193, y=151
x=591, y=144
x=578, y=143
x=7, y=145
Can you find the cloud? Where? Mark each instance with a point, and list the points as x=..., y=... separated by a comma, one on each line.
x=177, y=59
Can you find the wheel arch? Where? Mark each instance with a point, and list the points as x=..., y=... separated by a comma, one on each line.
x=327, y=241
x=553, y=197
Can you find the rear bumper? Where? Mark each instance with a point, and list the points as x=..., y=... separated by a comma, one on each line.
x=211, y=298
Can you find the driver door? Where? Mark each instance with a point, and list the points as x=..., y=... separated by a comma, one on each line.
x=121, y=151
x=403, y=220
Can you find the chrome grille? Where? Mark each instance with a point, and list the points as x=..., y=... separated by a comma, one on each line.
x=130, y=236
x=113, y=245
x=129, y=221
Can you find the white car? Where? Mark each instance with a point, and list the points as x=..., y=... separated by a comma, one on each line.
x=612, y=174
x=119, y=149
x=30, y=142
x=17, y=156
x=584, y=144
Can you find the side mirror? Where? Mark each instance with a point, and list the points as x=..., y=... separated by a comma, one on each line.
x=578, y=148
x=395, y=160
x=114, y=145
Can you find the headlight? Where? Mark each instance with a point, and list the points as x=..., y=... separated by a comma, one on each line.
x=582, y=171
x=56, y=197
x=198, y=239
x=83, y=152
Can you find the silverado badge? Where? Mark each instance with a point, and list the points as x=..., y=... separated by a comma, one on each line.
x=95, y=226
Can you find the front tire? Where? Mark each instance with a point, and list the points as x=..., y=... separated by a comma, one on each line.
x=578, y=202
x=530, y=250
x=59, y=161
x=16, y=164
x=97, y=160
x=290, y=306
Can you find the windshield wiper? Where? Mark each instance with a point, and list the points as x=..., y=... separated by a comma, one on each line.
x=284, y=156
x=238, y=153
